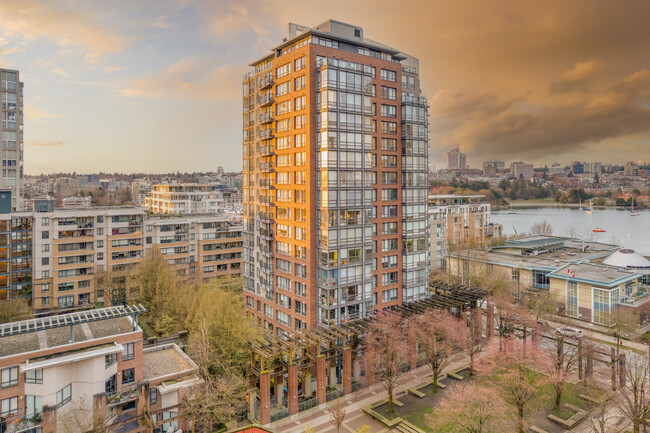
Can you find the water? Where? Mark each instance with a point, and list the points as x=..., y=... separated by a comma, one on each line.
x=621, y=228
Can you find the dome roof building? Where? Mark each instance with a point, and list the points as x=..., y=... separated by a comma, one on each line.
x=629, y=259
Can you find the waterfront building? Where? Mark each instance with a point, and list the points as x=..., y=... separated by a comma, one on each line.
x=184, y=199
x=12, y=136
x=588, y=281
x=335, y=146
x=91, y=366
x=458, y=221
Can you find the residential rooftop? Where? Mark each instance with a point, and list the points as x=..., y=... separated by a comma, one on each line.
x=58, y=337
x=162, y=361
x=602, y=275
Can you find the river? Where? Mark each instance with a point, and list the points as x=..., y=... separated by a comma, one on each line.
x=621, y=228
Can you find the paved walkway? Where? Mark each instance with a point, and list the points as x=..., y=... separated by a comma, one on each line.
x=319, y=418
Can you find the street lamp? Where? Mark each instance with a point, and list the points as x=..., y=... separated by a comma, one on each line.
x=519, y=266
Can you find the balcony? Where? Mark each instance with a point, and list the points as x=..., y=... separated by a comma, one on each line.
x=265, y=217
x=266, y=134
x=266, y=151
x=17, y=424
x=265, y=82
x=266, y=234
x=266, y=167
x=266, y=118
x=639, y=295
x=265, y=100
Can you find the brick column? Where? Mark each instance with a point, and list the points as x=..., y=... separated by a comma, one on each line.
x=477, y=317
x=99, y=407
x=347, y=370
x=265, y=398
x=293, y=389
x=321, y=380
x=49, y=419
x=589, y=368
x=370, y=370
x=143, y=399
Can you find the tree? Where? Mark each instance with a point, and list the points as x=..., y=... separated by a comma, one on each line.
x=386, y=350
x=600, y=420
x=518, y=383
x=542, y=228
x=631, y=398
x=337, y=415
x=540, y=304
x=470, y=408
x=157, y=284
x=80, y=417
x=113, y=285
x=473, y=341
x=437, y=334
x=562, y=358
x=14, y=309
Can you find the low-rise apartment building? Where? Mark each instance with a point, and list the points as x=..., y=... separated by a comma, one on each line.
x=54, y=257
x=456, y=220
x=65, y=372
x=587, y=280
x=184, y=198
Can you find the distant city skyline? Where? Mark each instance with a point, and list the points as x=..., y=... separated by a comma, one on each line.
x=153, y=87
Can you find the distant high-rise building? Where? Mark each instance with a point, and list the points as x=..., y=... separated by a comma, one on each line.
x=520, y=169
x=12, y=136
x=335, y=151
x=456, y=159
x=631, y=168
x=577, y=167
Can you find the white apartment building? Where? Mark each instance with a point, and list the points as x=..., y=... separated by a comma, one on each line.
x=11, y=130
x=76, y=202
x=184, y=198
x=455, y=218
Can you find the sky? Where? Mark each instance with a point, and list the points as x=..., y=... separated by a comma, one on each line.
x=155, y=85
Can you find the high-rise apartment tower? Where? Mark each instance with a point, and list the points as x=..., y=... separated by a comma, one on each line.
x=12, y=137
x=335, y=142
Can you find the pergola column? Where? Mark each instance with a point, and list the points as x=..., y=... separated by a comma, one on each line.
x=489, y=332
x=278, y=388
x=293, y=389
x=347, y=371
x=321, y=379
x=613, y=367
x=621, y=370
x=265, y=398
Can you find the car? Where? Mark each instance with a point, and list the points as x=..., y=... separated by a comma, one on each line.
x=542, y=322
x=569, y=331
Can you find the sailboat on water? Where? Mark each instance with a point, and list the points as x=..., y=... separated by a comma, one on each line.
x=590, y=209
x=632, y=211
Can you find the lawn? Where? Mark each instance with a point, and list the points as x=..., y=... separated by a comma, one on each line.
x=415, y=410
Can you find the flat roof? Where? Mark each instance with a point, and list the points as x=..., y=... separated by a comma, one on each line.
x=609, y=276
x=163, y=361
x=59, y=337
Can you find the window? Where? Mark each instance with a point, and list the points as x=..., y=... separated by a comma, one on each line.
x=128, y=352
x=283, y=89
x=388, y=75
x=572, y=299
x=300, y=63
x=388, y=93
x=64, y=395
x=45, y=248
x=301, y=271
x=64, y=287
x=66, y=301
x=283, y=70
x=9, y=406
x=283, y=125
x=45, y=221
x=9, y=377
x=100, y=231
x=299, y=121
x=389, y=245
x=45, y=234
x=45, y=301
x=100, y=244
x=301, y=289
x=299, y=83
x=300, y=140
x=45, y=274
x=389, y=295
x=100, y=218
x=33, y=405
x=153, y=395
x=110, y=359
x=34, y=376
x=300, y=177
x=299, y=103
x=283, y=107
x=45, y=261
x=283, y=142
x=388, y=110
x=45, y=287
x=388, y=127
x=301, y=158
x=128, y=376
x=540, y=279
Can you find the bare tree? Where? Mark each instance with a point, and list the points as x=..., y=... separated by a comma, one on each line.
x=337, y=415
x=470, y=408
x=438, y=333
x=473, y=342
x=631, y=398
x=14, y=310
x=540, y=305
x=386, y=350
x=561, y=357
x=600, y=420
x=80, y=417
x=542, y=228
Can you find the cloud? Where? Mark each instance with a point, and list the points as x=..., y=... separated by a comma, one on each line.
x=44, y=143
x=194, y=78
x=68, y=27
x=576, y=78
x=34, y=114
x=115, y=68
x=60, y=72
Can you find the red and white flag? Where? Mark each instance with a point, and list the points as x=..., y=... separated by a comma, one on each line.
x=571, y=273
